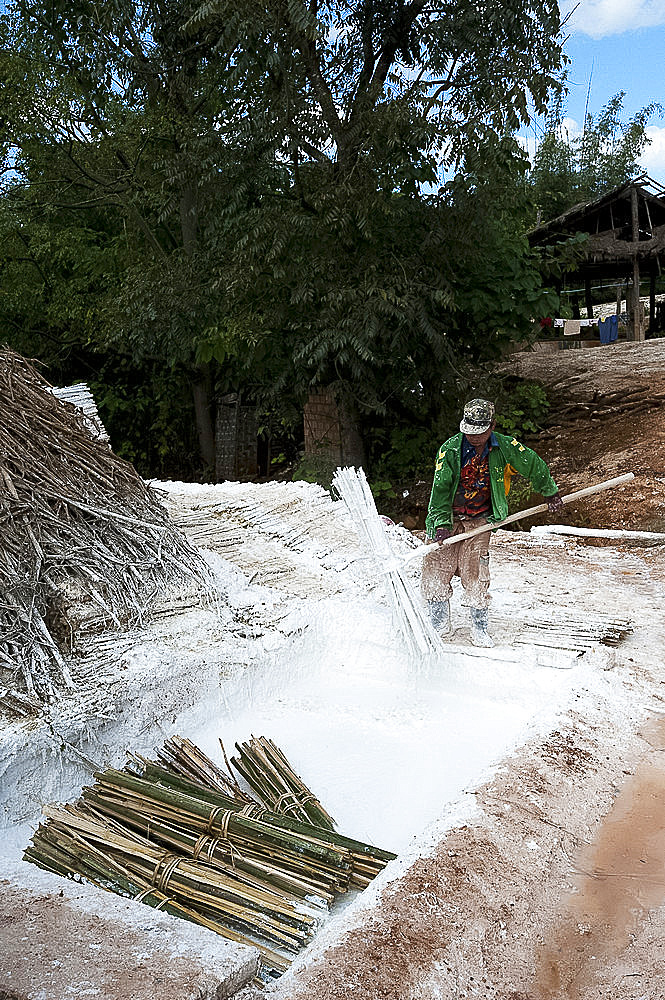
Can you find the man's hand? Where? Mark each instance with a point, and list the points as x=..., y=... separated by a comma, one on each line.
x=442, y=534
x=554, y=503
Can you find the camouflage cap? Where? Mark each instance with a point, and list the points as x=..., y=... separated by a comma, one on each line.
x=478, y=416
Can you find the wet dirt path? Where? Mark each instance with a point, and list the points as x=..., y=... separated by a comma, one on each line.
x=620, y=877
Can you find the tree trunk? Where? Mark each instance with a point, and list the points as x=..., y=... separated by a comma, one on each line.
x=204, y=425
x=353, y=446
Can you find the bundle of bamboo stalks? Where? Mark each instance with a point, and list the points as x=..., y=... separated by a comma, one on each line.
x=78, y=526
x=265, y=768
x=408, y=611
x=181, y=834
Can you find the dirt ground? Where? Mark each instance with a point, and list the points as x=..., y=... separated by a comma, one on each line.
x=555, y=888
x=607, y=418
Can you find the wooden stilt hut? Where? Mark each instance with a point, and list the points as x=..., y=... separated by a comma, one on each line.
x=625, y=245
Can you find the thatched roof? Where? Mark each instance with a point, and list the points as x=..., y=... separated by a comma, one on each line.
x=624, y=224
x=612, y=209
x=79, y=527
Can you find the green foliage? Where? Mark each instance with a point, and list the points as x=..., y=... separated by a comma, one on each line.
x=316, y=469
x=147, y=411
x=407, y=453
x=572, y=169
x=245, y=192
x=497, y=279
x=383, y=492
x=522, y=410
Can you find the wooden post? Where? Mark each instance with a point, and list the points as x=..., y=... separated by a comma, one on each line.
x=619, y=297
x=638, y=331
x=587, y=298
x=652, y=300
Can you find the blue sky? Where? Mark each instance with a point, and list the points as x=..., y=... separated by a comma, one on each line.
x=619, y=45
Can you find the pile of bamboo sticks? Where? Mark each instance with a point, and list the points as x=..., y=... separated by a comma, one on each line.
x=81, y=397
x=409, y=613
x=79, y=528
x=180, y=834
x=265, y=768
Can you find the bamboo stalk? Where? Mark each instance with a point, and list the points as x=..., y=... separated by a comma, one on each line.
x=371, y=856
x=408, y=612
x=320, y=866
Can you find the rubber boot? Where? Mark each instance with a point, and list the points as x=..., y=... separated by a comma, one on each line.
x=479, y=634
x=439, y=613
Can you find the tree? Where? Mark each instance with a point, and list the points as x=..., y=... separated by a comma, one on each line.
x=273, y=168
x=568, y=170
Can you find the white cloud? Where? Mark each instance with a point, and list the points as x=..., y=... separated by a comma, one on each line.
x=653, y=156
x=570, y=129
x=599, y=18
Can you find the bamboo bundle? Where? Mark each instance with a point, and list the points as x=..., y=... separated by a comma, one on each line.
x=181, y=835
x=366, y=860
x=70, y=842
x=408, y=611
x=79, y=525
x=185, y=758
x=265, y=769
x=326, y=866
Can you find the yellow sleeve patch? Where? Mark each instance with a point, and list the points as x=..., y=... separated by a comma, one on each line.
x=508, y=474
x=517, y=445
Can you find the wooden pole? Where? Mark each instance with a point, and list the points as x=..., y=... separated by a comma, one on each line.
x=652, y=300
x=609, y=484
x=638, y=332
x=587, y=298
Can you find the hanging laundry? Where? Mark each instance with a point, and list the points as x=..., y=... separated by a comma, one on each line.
x=571, y=328
x=614, y=327
x=604, y=330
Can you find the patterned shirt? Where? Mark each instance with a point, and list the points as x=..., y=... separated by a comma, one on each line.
x=472, y=498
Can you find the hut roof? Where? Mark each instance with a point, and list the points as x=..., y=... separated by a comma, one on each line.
x=611, y=247
x=613, y=208
x=79, y=526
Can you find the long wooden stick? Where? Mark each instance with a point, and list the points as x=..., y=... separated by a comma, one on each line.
x=609, y=484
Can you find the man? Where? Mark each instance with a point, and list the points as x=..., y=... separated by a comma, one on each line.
x=471, y=483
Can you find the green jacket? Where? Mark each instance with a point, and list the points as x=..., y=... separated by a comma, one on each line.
x=507, y=457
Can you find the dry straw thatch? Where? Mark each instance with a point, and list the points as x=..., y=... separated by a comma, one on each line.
x=79, y=527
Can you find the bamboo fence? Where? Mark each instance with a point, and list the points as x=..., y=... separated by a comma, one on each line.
x=180, y=834
x=79, y=526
